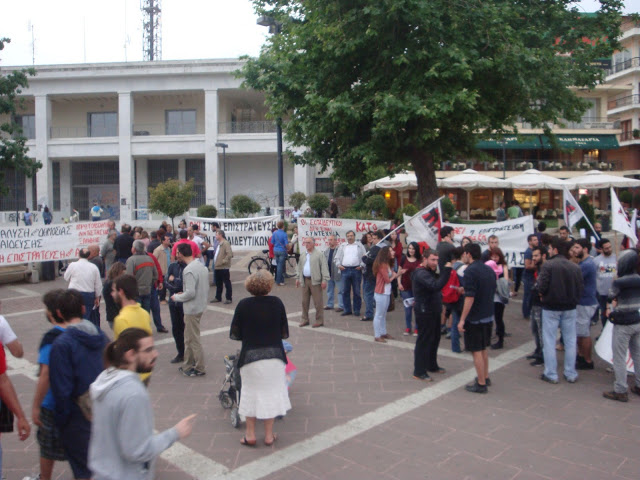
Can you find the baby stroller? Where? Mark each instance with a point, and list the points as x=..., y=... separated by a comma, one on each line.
x=229, y=395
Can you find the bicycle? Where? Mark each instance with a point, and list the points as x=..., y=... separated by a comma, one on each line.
x=259, y=262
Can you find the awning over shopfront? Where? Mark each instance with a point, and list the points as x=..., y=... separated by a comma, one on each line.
x=584, y=142
x=511, y=142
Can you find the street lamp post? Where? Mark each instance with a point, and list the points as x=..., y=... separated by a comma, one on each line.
x=224, y=147
x=274, y=27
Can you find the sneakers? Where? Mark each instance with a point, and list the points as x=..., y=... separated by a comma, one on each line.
x=177, y=359
x=415, y=333
x=570, y=380
x=227, y=302
x=544, y=378
x=537, y=362
x=620, y=397
x=487, y=381
x=407, y=332
x=424, y=377
x=582, y=364
x=36, y=477
x=191, y=372
x=475, y=387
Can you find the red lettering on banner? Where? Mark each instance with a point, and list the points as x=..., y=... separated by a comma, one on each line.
x=362, y=227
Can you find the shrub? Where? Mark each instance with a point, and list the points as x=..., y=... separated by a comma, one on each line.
x=358, y=214
x=448, y=208
x=242, y=205
x=588, y=210
x=360, y=203
x=207, y=211
x=376, y=203
x=409, y=210
x=625, y=197
x=297, y=199
x=318, y=202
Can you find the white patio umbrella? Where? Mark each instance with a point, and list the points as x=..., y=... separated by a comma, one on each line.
x=400, y=182
x=535, y=180
x=470, y=180
x=595, y=179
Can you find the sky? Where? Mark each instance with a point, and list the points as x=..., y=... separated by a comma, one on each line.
x=93, y=31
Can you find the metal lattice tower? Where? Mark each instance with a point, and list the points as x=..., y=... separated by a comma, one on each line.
x=151, y=30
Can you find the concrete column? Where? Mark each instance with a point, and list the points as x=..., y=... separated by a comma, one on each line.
x=142, y=190
x=126, y=163
x=28, y=193
x=44, y=177
x=65, y=188
x=301, y=179
x=210, y=149
x=182, y=169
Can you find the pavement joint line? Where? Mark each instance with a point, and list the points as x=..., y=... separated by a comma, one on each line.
x=336, y=435
x=20, y=297
x=26, y=312
x=25, y=291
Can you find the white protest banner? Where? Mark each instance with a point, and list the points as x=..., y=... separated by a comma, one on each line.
x=619, y=220
x=512, y=235
x=41, y=243
x=242, y=233
x=604, y=349
x=572, y=211
x=320, y=229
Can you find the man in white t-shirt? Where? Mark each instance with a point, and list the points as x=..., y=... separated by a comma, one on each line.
x=193, y=233
x=9, y=339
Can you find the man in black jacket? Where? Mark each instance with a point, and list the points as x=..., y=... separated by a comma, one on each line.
x=123, y=244
x=369, y=279
x=427, y=287
x=560, y=286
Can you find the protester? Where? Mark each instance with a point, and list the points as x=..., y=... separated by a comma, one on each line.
x=195, y=249
x=501, y=212
x=123, y=243
x=222, y=261
x=123, y=443
x=96, y=259
x=174, y=285
x=625, y=317
x=349, y=262
x=333, y=209
x=195, y=280
x=131, y=315
x=587, y=306
x=260, y=322
x=335, y=275
x=369, y=279
x=295, y=215
x=107, y=252
x=383, y=270
x=479, y=283
x=193, y=234
x=112, y=308
x=46, y=216
x=606, y=272
x=367, y=241
x=427, y=284
x=499, y=266
x=493, y=242
x=96, y=212
x=154, y=241
x=313, y=275
x=538, y=256
x=84, y=277
x=527, y=276
x=74, y=363
x=163, y=254
x=211, y=251
x=294, y=245
x=445, y=246
x=408, y=265
x=42, y=412
x=27, y=217
x=9, y=339
x=564, y=233
x=560, y=286
x=454, y=290
x=155, y=300
x=514, y=211
x=142, y=267
x=280, y=240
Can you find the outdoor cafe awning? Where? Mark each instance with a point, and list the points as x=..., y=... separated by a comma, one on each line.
x=537, y=142
x=511, y=142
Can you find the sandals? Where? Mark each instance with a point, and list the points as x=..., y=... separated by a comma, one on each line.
x=247, y=443
x=275, y=437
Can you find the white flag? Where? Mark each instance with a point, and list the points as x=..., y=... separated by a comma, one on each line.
x=425, y=225
x=619, y=220
x=572, y=211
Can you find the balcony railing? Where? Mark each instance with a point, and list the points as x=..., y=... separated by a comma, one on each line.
x=627, y=136
x=587, y=123
x=626, y=65
x=247, y=127
x=80, y=132
x=146, y=129
x=623, y=102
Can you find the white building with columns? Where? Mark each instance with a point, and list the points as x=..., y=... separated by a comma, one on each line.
x=108, y=132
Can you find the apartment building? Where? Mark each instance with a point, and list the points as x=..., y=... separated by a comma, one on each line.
x=108, y=132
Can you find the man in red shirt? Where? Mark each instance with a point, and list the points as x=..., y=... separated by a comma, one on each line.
x=183, y=239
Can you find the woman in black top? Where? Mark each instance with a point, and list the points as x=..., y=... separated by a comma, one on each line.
x=112, y=307
x=260, y=322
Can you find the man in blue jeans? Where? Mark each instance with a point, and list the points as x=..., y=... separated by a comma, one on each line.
x=369, y=283
x=280, y=241
x=560, y=284
x=527, y=276
x=335, y=276
x=349, y=262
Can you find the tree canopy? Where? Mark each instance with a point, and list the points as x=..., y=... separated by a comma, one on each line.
x=405, y=84
x=171, y=198
x=13, y=151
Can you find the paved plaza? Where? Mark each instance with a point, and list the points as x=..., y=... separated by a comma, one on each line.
x=357, y=411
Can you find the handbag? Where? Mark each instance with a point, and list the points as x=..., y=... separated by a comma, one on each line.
x=6, y=418
x=502, y=289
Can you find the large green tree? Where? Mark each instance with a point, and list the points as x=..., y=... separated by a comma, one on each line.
x=13, y=149
x=409, y=83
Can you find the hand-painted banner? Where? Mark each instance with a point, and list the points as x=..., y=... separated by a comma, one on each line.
x=512, y=235
x=40, y=243
x=320, y=229
x=242, y=233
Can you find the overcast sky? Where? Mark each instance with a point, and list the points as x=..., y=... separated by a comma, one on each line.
x=78, y=31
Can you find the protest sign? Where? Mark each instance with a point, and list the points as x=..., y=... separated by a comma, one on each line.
x=512, y=235
x=604, y=349
x=41, y=243
x=244, y=234
x=320, y=229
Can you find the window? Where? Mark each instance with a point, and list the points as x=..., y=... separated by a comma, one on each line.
x=626, y=134
x=28, y=124
x=103, y=124
x=180, y=122
x=194, y=169
x=8, y=201
x=161, y=170
x=55, y=167
x=621, y=61
x=324, y=185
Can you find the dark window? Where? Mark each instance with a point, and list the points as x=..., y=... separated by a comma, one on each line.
x=180, y=122
x=55, y=167
x=85, y=174
x=324, y=185
x=161, y=170
x=8, y=202
x=194, y=169
x=28, y=124
x=103, y=124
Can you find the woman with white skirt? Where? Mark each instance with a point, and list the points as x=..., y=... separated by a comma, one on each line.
x=260, y=322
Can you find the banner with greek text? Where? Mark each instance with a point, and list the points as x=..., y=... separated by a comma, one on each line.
x=512, y=235
x=244, y=234
x=320, y=229
x=40, y=243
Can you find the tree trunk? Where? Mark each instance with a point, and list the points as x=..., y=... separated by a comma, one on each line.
x=425, y=170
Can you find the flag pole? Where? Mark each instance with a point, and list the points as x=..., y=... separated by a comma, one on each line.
x=402, y=224
x=583, y=215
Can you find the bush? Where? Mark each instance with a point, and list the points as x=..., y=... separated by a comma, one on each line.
x=625, y=197
x=242, y=205
x=376, y=203
x=409, y=210
x=448, y=208
x=636, y=200
x=207, y=211
x=588, y=210
x=318, y=202
x=360, y=203
x=297, y=199
x=357, y=214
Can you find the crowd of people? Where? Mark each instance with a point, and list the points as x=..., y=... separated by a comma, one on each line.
x=100, y=419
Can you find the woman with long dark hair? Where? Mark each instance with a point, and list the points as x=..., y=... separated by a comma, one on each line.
x=499, y=265
x=384, y=274
x=408, y=264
